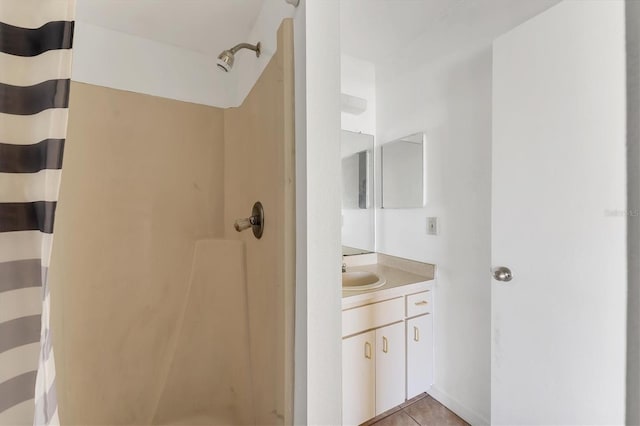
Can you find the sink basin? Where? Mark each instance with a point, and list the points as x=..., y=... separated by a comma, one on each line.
x=361, y=280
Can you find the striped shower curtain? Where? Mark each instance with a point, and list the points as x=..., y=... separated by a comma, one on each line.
x=35, y=67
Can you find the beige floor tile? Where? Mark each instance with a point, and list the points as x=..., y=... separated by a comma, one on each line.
x=429, y=412
x=397, y=419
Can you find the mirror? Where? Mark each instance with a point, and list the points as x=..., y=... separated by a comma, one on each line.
x=358, y=219
x=403, y=173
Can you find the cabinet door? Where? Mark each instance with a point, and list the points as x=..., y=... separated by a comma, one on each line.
x=419, y=355
x=358, y=378
x=390, y=366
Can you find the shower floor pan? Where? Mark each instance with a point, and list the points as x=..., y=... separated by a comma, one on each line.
x=204, y=420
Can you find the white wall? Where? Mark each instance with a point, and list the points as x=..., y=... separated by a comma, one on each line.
x=358, y=78
x=319, y=291
x=114, y=59
x=451, y=102
x=109, y=58
x=265, y=31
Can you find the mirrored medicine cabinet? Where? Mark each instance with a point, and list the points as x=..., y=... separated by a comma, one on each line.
x=358, y=217
x=403, y=173
x=400, y=172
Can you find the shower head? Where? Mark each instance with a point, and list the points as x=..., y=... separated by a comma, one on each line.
x=226, y=58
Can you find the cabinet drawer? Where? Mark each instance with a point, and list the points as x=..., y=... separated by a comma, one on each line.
x=371, y=316
x=419, y=303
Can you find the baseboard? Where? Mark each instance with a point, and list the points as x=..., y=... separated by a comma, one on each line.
x=468, y=415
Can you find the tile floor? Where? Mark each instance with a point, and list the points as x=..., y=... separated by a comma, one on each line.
x=420, y=411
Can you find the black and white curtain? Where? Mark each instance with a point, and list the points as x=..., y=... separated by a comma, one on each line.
x=35, y=69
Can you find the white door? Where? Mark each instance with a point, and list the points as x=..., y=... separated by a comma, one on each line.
x=358, y=378
x=558, y=327
x=419, y=355
x=390, y=367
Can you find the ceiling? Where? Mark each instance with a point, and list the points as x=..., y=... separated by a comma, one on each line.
x=207, y=26
x=370, y=29
x=374, y=30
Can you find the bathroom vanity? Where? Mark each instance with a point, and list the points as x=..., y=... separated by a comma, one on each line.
x=387, y=302
x=387, y=336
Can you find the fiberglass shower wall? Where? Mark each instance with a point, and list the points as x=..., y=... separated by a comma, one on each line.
x=260, y=166
x=143, y=181
x=150, y=191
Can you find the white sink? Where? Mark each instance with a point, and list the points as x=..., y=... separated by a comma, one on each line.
x=361, y=280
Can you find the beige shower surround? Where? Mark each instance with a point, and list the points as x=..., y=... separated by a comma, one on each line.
x=150, y=189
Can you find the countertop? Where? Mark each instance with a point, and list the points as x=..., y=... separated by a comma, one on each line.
x=398, y=280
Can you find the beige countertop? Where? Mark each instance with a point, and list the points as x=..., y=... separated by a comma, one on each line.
x=396, y=276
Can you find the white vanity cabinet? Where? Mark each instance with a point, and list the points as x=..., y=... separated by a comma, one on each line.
x=419, y=354
x=387, y=350
x=390, y=359
x=358, y=378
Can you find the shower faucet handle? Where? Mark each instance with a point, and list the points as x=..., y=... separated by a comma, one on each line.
x=242, y=224
x=255, y=221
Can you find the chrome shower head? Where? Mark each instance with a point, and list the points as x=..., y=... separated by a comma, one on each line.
x=225, y=60
x=227, y=57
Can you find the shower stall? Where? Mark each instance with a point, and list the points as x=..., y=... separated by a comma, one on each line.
x=162, y=313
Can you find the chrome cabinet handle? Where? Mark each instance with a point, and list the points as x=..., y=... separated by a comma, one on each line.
x=367, y=350
x=416, y=334
x=502, y=273
x=385, y=345
x=420, y=303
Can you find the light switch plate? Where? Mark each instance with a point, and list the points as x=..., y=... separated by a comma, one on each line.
x=432, y=226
